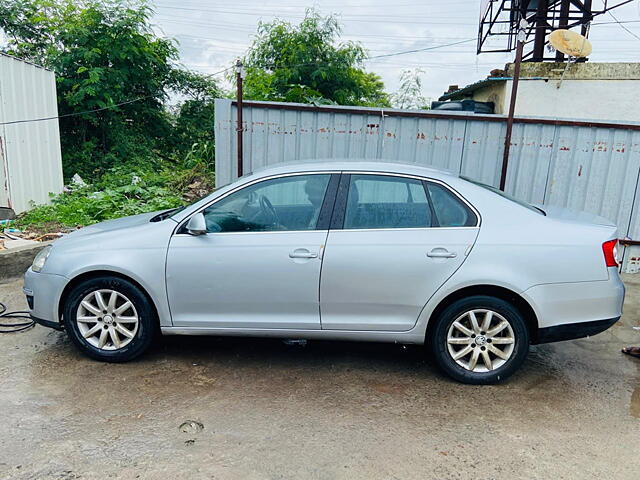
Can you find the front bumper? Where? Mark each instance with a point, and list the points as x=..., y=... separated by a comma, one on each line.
x=44, y=290
x=47, y=323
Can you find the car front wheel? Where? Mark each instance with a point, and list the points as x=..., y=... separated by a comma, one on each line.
x=109, y=319
x=480, y=340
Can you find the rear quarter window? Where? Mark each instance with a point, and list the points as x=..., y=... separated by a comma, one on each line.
x=449, y=209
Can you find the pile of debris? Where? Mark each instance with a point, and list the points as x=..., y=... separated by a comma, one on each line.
x=14, y=238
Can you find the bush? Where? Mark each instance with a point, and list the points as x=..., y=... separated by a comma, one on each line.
x=138, y=187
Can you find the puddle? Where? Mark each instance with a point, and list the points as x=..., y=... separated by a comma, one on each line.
x=191, y=426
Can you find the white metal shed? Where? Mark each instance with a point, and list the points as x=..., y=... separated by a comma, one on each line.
x=30, y=159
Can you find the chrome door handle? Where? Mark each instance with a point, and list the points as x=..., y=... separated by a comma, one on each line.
x=302, y=253
x=441, y=253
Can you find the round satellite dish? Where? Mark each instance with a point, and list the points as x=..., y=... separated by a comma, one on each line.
x=570, y=43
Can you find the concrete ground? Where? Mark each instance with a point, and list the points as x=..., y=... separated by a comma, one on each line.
x=257, y=409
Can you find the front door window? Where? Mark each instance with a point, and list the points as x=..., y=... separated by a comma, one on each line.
x=280, y=204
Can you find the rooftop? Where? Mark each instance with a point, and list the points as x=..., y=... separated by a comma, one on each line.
x=552, y=70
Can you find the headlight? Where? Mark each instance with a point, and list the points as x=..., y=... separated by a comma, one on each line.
x=41, y=258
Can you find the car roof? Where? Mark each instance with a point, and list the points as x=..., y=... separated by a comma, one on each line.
x=325, y=165
x=332, y=164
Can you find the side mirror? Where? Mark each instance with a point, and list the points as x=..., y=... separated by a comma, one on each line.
x=197, y=225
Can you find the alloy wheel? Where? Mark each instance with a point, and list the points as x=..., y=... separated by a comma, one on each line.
x=107, y=319
x=480, y=340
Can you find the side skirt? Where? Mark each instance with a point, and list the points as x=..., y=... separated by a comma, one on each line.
x=347, y=335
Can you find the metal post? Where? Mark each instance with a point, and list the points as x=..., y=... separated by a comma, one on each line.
x=512, y=105
x=239, y=126
x=587, y=17
x=540, y=34
x=563, y=22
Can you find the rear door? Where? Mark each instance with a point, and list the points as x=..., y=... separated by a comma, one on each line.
x=394, y=240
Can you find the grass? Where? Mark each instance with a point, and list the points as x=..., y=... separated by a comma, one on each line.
x=123, y=191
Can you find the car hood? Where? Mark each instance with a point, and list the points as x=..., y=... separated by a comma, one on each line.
x=112, y=225
x=562, y=213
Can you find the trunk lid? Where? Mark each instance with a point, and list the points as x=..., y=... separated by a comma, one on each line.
x=568, y=215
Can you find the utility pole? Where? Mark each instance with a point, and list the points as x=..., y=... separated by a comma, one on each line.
x=239, y=126
x=512, y=103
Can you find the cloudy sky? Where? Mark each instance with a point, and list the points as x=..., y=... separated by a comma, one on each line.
x=211, y=34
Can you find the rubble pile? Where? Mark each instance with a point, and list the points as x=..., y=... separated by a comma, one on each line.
x=14, y=238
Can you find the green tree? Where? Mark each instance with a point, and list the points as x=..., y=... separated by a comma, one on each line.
x=107, y=61
x=409, y=93
x=192, y=137
x=305, y=63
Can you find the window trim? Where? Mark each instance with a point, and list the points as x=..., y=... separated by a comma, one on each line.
x=339, y=211
x=327, y=204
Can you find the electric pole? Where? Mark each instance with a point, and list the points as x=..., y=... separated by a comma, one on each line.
x=239, y=126
x=512, y=103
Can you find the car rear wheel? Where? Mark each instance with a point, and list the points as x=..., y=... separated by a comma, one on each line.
x=480, y=340
x=109, y=319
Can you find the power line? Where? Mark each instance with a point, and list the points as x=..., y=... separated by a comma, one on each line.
x=96, y=110
x=426, y=49
x=208, y=75
x=77, y=113
x=251, y=28
x=254, y=12
x=622, y=26
x=229, y=68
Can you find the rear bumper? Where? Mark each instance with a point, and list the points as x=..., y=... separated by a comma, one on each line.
x=565, y=307
x=572, y=331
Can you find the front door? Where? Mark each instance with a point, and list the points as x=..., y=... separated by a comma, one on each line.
x=258, y=265
x=393, y=242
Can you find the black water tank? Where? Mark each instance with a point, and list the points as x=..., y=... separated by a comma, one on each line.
x=464, y=106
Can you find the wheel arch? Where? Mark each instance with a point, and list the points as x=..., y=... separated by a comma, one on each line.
x=523, y=306
x=82, y=277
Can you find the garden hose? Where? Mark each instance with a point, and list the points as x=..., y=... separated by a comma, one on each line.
x=14, y=326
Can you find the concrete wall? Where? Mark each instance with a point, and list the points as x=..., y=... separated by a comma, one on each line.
x=16, y=261
x=615, y=100
x=494, y=92
x=588, y=91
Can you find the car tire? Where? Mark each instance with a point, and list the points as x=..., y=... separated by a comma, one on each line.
x=499, y=348
x=129, y=328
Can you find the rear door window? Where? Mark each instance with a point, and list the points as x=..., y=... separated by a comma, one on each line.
x=384, y=201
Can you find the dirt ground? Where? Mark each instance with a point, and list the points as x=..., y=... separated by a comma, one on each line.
x=221, y=408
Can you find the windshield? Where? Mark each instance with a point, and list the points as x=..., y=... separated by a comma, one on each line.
x=505, y=195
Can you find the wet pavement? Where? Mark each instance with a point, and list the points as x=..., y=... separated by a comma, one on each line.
x=225, y=408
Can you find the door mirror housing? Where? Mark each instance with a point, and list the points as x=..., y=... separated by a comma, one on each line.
x=197, y=225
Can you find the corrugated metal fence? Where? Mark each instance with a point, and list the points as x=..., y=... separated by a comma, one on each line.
x=587, y=166
x=30, y=160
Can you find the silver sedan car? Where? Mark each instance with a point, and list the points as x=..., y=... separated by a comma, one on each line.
x=341, y=251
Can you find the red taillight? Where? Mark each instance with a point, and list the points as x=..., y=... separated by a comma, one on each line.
x=610, y=250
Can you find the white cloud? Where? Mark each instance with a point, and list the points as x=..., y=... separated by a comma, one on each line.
x=212, y=34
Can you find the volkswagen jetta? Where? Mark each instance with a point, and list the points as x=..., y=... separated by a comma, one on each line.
x=342, y=251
